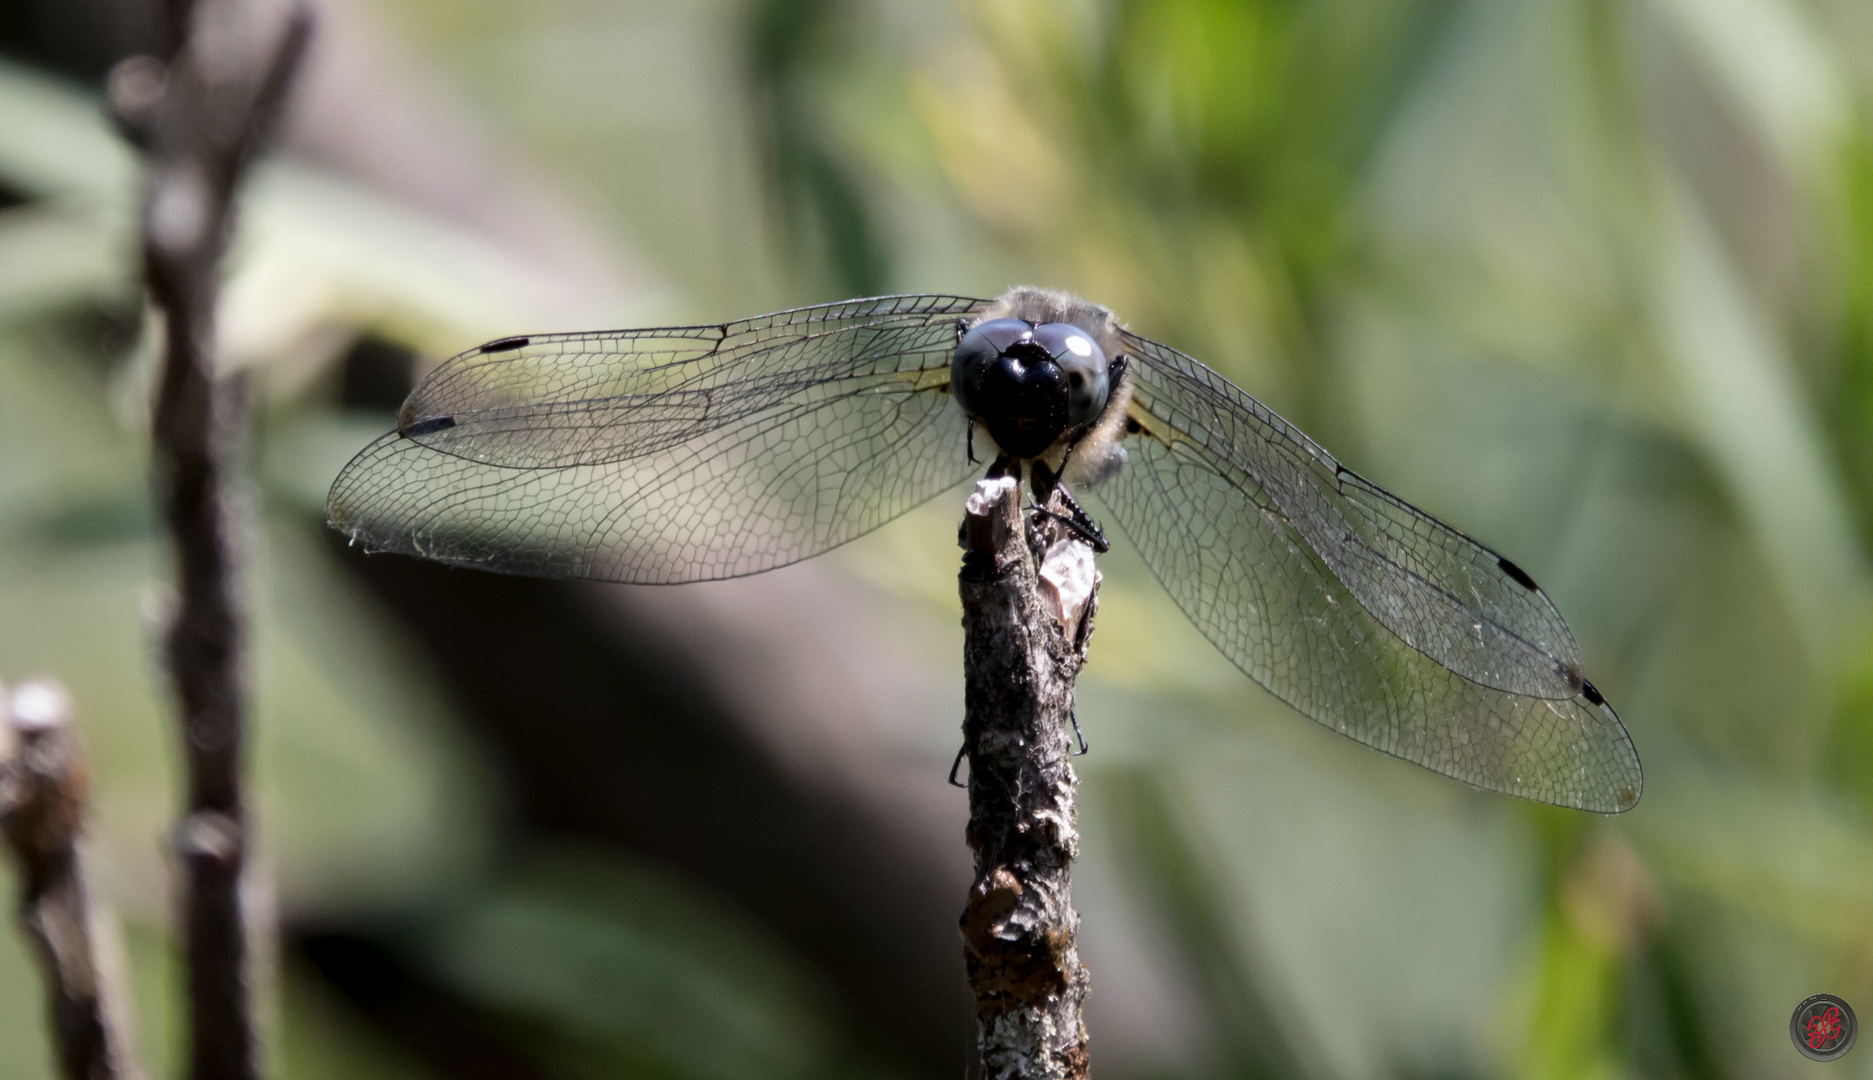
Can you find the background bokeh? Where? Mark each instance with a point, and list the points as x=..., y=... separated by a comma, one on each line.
x=1592, y=280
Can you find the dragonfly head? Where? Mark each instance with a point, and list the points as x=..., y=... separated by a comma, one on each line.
x=1029, y=384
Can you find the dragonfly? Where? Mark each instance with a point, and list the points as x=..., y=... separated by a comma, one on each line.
x=696, y=453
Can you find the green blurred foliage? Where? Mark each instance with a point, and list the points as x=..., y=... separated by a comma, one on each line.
x=1578, y=277
x=614, y=970
x=1592, y=280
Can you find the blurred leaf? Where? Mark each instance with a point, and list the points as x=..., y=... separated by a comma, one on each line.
x=1257, y=1035
x=50, y=258
x=1849, y=405
x=610, y=968
x=1802, y=859
x=821, y=204
x=1741, y=398
x=1577, y=1002
x=1667, y=1024
x=1776, y=66
x=55, y=144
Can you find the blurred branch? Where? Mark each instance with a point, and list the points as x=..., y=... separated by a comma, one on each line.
x=202, y=120
x=42, y=796
x=1027, y=616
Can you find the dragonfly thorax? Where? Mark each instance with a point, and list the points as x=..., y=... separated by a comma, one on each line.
x=1029, y=385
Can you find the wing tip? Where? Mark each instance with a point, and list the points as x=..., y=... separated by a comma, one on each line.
x=1630, y=787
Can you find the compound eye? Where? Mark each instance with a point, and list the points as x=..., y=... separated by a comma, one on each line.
x=1083, y=363
x=978, y=351
x=992, y=338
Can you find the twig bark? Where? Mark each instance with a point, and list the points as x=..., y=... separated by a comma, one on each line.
x=202, y=118
x=74, y=936
x=1028, y=597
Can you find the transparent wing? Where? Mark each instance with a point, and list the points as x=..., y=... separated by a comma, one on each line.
x=1360, y=611
x=553, y=400
x=1447, y=596
x=664, y=456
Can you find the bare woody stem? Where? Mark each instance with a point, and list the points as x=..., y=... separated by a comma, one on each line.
x=1028, y=598
x=73, y=934
x=202, y=119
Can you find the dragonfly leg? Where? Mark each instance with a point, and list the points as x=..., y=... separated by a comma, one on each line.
x=1077, y=733
x=1082, y=523
x=1081, y=526
x=1046, y=484
x=958, y=763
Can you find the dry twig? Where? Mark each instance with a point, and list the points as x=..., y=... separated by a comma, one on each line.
x=42, y=801
x=1028, y=596
x=201, y=118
